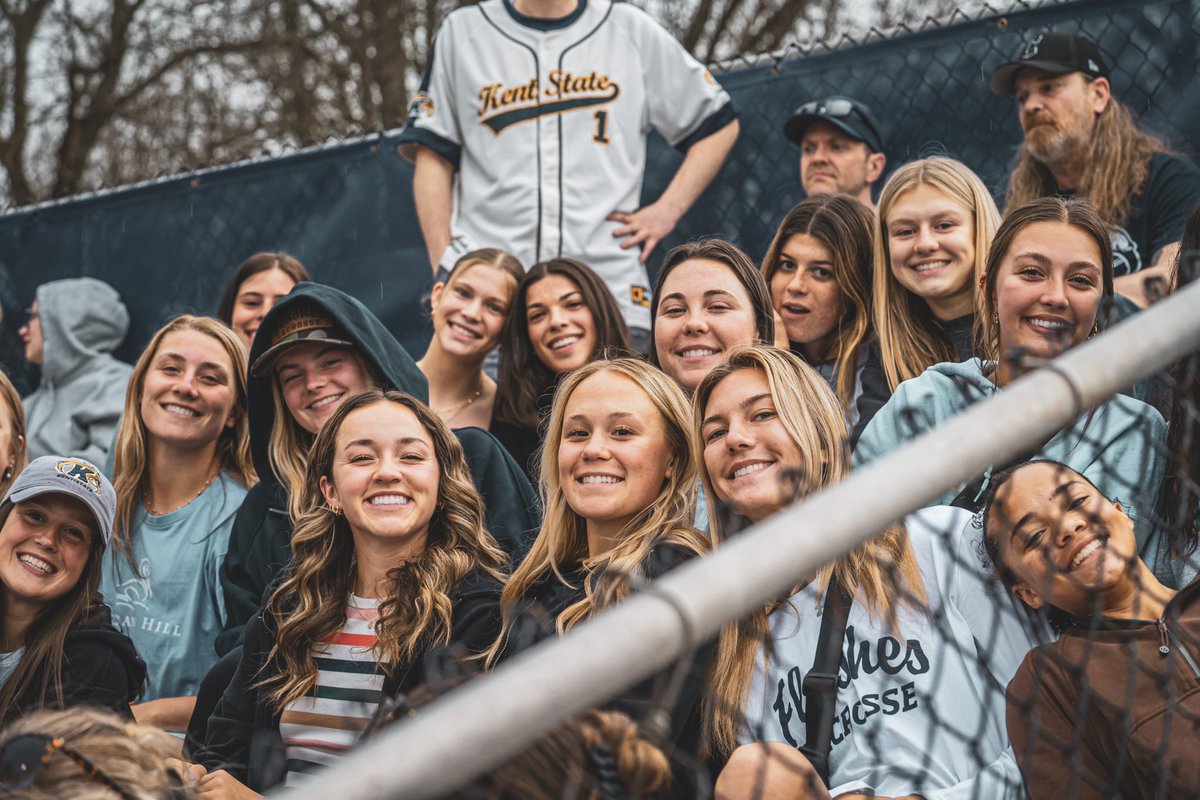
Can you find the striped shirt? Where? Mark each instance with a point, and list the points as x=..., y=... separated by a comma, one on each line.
x=319, y=727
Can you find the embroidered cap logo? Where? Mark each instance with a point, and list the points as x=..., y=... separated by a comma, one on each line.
x=1031, y=47
x=80, y=472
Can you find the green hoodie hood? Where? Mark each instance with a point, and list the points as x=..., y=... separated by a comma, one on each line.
x=513, y=513
x=370, y=337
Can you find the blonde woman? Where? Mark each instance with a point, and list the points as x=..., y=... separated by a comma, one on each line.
x=618, y=481
x=935, y=224
x=391, y=561
x=181, y=470
x=13, y=455
x=925, y=647
x=316, y=349
x=469, y=310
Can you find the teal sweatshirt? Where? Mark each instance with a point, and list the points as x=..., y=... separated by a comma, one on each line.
x=1118, y=446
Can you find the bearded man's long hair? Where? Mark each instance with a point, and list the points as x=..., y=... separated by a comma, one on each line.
x=1118, y=163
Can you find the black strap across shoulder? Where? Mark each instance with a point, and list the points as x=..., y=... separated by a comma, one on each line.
x=820, y=684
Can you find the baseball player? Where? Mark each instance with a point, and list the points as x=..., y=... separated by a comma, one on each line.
x=542, y=107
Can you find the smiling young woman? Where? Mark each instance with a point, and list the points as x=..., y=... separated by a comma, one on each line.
x=253, y=290
x=1121, y=678
x=562, y=317
x=771, y=432
x=392, y=562
x=58, y=648
x=708, y=299
x=181, y=470
x=1047, y=274
x=935, y=225
x=469, y=311
x=619, y=481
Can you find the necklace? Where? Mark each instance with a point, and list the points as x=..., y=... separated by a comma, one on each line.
x=154, y=512
x=455, y=410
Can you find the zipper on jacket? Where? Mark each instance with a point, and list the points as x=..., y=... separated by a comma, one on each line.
x=1165, y=635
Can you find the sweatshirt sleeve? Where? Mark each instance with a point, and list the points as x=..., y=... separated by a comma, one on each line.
x=230, y=734
x=905, y=415
x=240, y=585
x=1045, y=730
x=97, y=676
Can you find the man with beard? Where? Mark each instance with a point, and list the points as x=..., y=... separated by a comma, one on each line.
x=841, y=149
x=1079, y=140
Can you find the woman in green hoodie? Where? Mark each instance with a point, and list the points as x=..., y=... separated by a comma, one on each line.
x=317, y=348
x=1047, y=274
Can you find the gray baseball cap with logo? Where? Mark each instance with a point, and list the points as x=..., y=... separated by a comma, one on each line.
x=74, y=477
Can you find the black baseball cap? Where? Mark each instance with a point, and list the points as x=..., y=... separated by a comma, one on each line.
x=845, y=113
x=1055, y=52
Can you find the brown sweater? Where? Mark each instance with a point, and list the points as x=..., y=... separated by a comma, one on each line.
x=1112, y=709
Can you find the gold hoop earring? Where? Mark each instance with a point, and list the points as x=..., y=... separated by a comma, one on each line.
x=336, y=511
x=1095, y=330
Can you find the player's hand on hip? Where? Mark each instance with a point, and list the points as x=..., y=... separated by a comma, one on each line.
x=646, y=227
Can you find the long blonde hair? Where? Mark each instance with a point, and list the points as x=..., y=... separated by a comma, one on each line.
x=417, y=612
x=288, y=443
x=135, y=756
x=810, y=413
x=15, y=420
x=910, y=338
x=1116, y=169
x=563, y=536
x=130, y=465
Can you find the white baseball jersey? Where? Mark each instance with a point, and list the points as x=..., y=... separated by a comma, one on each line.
x=547, y=122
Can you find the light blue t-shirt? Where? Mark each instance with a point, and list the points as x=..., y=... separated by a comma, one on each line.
x=174, y=609
x=8, y=664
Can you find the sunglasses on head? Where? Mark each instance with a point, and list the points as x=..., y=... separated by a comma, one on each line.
x=23, y=757
x=836, y=107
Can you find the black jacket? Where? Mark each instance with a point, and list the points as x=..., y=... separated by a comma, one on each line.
x=100, y=668
x=243, y=732
x=260, y=543
x=534, y=619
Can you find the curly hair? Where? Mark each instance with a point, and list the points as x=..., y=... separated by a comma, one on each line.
x=417, y=612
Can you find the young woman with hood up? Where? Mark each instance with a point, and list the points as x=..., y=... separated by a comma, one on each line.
x=317, y=348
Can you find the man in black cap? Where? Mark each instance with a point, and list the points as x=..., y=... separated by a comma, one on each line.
x=841, y=149
x=1079, y=140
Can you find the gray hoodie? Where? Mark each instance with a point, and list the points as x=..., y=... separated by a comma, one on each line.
x=79, y=401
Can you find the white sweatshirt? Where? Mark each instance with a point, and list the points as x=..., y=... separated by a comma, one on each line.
x=920, y=710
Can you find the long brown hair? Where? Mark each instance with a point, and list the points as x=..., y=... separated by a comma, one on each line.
x=1076, y=212
x=562, y=539
x=1116, y=169
x=259, y=262
x=844, y=226
x=1179, y=489
x=910, y=338
x=14, y=420
x=130, y=465
x=731, y=256
x=523, y=377
x=871, y=572
x=417, y=612
x=41, y=665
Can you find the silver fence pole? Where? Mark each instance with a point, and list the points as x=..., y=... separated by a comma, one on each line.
x=474, y=728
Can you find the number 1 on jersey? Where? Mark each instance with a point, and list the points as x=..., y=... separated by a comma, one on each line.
x=601, y=127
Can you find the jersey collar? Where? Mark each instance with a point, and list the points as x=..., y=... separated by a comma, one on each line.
x=545, y=24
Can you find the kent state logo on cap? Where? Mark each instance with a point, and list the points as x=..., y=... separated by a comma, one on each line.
x=80, y=471
x=74, y=477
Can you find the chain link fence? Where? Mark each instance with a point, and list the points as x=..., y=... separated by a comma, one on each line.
x=346, y=210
